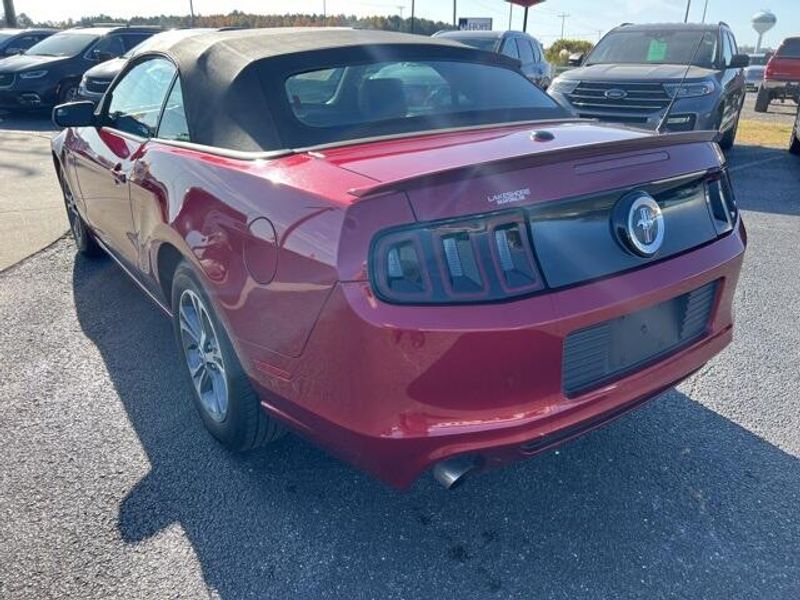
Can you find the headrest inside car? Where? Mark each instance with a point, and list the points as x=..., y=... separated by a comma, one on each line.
x=383, y=98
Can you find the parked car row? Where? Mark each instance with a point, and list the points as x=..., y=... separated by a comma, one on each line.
x=49, y=71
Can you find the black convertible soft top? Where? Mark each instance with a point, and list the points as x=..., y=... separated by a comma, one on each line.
x=233, y=81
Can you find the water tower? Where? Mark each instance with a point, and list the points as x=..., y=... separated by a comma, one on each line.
x=762, y=22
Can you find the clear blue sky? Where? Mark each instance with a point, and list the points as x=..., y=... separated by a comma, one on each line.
x=588, y=17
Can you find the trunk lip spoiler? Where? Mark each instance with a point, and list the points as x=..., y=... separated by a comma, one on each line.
x=535, y=159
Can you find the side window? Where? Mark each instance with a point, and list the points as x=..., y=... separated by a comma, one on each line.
x=173, y=124
x=136, y=100
x=537, y=55
x=131, y=40
x=25, y=42
x=510, y=48
x=525, y=51
x=727, y=50
x=109, y=45
x=734, y=47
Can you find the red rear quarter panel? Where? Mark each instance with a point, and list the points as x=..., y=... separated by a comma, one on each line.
x=263, y=233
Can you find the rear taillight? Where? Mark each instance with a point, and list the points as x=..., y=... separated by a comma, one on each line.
x=721, y=201
x=481, y=259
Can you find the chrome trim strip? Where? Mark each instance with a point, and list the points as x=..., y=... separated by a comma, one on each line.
x=135, y=279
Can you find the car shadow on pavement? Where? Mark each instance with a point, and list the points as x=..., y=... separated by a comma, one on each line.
x=765, y=179
x=26, y=121
x=673, y=500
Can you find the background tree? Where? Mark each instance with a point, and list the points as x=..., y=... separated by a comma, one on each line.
x=556, y=57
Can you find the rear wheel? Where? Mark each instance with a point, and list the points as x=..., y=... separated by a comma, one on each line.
x=223, y=394
x=763, y=99
x=84, y=239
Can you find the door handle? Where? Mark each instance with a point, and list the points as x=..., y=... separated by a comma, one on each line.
x=119, y=175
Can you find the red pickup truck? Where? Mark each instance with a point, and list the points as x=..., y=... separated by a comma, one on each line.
x=782, y=77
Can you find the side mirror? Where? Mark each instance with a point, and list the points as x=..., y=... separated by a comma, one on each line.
x=102, y=56
x=576, y=60
x=74, y=114
x=739, y=61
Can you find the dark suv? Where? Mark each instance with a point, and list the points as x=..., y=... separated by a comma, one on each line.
x=520, y=46
x=49, y=72
x=635, y=72
x=16, y=41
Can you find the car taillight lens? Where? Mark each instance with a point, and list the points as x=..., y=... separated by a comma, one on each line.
x=721, y=201
x=481, y=259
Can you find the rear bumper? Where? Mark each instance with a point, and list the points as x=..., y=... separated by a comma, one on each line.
x=395, y=389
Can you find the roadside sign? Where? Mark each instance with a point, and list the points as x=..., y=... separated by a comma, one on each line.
x=475, y=24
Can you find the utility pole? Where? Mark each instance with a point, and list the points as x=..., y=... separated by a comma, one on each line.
x=705, y=11
x=324, y=11
x=191, y=13
x=401, y=9
x=412, y=16
x=525, y=20
x=10, y=13
x=688, y=7
x=563, y=17
x=510, y=14
x=455, y=22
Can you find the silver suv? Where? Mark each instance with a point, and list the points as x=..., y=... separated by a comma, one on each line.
x=635, y=71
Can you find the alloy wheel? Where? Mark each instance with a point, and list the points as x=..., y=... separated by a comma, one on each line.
x=71, y=93
x=74, y=218
x=201, y=349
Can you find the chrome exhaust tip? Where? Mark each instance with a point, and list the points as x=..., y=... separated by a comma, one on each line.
x=452, y=472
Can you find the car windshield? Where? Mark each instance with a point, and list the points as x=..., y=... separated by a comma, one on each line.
x=394, y=97
x=656, y=47
x=5, y=36
x=758, y=60
x=790, y=48
x=481, y=43
x=62, y=44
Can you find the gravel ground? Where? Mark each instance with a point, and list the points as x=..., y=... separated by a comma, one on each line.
x=111, y=488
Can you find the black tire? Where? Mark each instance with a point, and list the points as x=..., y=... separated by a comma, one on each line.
x=81, y=234
x=729, y=137
x=245, y=424
x=67, y=92
x=763, y=99
x=794, y=143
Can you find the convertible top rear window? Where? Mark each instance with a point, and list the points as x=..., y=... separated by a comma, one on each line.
x=393, y=97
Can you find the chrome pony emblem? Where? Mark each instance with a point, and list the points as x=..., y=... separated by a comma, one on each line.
x=639, y=224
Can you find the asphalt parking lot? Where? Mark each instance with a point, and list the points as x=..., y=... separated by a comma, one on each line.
x=110, y=487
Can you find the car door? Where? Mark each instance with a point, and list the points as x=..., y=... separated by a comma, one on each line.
x=527, y=58
x=104, y=156
x=732, y=97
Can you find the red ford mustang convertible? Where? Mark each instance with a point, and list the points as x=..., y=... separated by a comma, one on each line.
x=399, y=247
